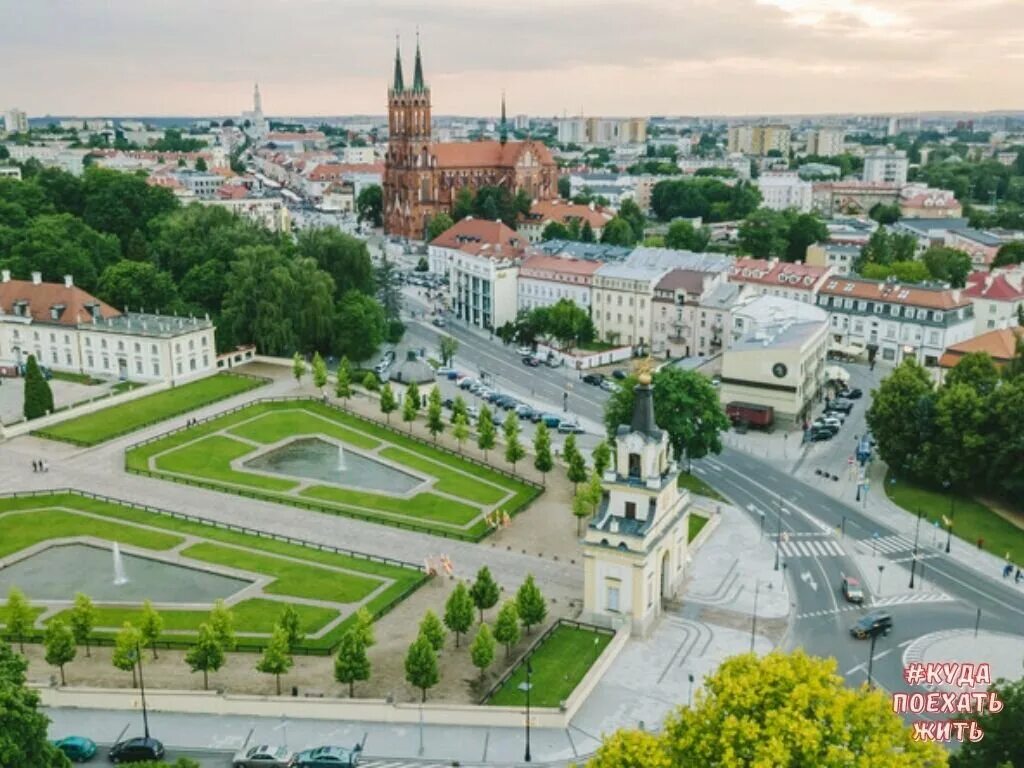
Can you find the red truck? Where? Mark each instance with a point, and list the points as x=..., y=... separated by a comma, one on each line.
x=750, y=414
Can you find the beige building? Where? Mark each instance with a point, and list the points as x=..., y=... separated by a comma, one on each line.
x=777, y=357
x=826, y=142
x=634, y=549
x=679, y=326
x=760, y=139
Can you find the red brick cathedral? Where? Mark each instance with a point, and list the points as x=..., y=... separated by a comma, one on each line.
x=422, y=178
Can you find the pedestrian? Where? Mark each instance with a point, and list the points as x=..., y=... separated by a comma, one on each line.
x=1007, y=570
x=34, y=467
x=981, y=543
x=1017, y=577
x=46, y=466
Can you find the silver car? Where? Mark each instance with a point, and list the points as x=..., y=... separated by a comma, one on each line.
x=264, y=756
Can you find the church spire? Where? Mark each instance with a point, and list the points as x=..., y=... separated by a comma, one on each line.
x=504, y=123
x=257, y=102
x=417, y=80
x=399, y=84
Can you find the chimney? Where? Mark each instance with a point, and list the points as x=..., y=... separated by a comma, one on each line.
x=5, y=276
x=37, y=278
x=69, y=281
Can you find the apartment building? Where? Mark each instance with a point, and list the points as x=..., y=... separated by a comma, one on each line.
x=760, y=139
x=886, y=166
x=826, y=142
x=15, y=121
x=782, y=191
x=998, y=297
x=680, y=327
x=545, y=280
x=771, y=277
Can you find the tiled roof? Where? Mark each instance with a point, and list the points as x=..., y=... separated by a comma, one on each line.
x=996, y=287
x=774, y=272
x=544, y=211
x=487, y=154
x=895, y=293
x=687, y=280
x=41, y=298
x=1001, y=345
x=470, y=235
x=542, y=263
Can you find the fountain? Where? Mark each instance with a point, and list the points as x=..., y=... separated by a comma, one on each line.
x=119, y=574
x=342, y=467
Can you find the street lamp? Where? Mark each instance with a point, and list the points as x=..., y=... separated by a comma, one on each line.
x=142, y=689
x=952, y=515
x=913, y=562
x=526, y=687
x=762, y=514
x=753, y=623
x=778, y=543
x=871, y=657
x=689, y=701
x=881, y=568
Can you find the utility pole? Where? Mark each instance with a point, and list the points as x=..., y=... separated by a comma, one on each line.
x=753, y=623
x=913, y=563
x=871, y=657
x=142, y=689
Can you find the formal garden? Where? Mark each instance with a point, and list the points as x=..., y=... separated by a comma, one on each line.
x=99, y=426
x=61, y=550
x=315, y=455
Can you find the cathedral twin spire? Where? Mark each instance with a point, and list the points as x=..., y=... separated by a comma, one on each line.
x=418, y=85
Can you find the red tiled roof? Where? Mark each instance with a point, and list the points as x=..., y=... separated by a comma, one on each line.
x=895, y=293
x=542, y=263
x=470, y=234
x=985, y=285
x=487, y=154
x=1001, y=345
x=42, y=297
x=774, y=272
x=232, y=192
x=544, y=211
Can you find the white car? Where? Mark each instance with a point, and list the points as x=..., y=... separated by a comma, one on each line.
x=829, y=421
x=610, y=386
x=264, y=755
x=524, y=351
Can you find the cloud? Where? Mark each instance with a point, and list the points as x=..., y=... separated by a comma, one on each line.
x=615, y=56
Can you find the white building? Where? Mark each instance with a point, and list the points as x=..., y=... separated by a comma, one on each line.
x=51, y=156
x=202, y=184
x=894, y=320
x=268, y=212
x=15, y=121
x=10, y=172
x=634, y=549
x=786, y=190
x=998, y=296
x=545, y=280
x=884, y=166
x=771, y=277
x=679, y=327
x=826, y=142
x=67, y=329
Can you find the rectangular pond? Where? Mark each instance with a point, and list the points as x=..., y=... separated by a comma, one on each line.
x=317, y=459
x=58, y=572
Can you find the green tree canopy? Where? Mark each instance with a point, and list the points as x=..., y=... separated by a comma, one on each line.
x=351, y=665
x=206, y=655
x=359, y=330
x=439, y=223
x=618, y=232
x=38, y=395
x=948, y=264
x=555, y=230
x=59, y=645
x=901, y=417
x=344, y=257
x=23, y=727
x=682, y=235
x=458, y=611
x=138, y=285
x=82, y=620
x=432, y=629
x=481, y=652
x=484, y=591
x=530, y=603
x=708, y=198
x=276, y=659
x=370, y=205
x=421, y=669
x=1009, y=254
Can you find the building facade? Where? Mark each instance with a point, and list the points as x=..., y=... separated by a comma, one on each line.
x=422, y=178
x=771, y=277
x=885, y=166
x=544, y=212
x=680, y=327
x=786, y=190
x=826, y=142
x=759, y=139
x=15, y=121
x=545, y=280
x=998, y=298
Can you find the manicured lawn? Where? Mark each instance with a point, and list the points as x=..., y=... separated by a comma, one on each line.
x=696, y=523
x=199, y=454
x=211, y=458
x=256, y=615
x=21, y=530
x=75, y=378
x=558, y=666
x=698, y=486
x=36, y=610
x=27, y=520
x=972, y=520
x=292, y=578
x=100, y=426
x=125, y=386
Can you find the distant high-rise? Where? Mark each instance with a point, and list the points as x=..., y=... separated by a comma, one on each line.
x=826, y=142
x=759, y=139
x=257, y=102
x=15, y=121
x=603, y=131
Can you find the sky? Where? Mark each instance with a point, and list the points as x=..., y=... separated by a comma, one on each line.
x=551, y=57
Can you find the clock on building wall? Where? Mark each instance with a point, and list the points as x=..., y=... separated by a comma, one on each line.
x=780, y=370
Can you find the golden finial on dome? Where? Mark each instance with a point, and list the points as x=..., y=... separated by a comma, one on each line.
x=644, y=369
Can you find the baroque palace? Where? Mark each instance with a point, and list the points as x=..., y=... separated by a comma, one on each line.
x=422, y=178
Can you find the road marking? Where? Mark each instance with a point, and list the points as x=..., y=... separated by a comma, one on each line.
x=809, y=580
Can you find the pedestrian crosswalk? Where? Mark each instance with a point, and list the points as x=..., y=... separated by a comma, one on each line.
x=881, y=602
x=811, y=548
x=888, y=545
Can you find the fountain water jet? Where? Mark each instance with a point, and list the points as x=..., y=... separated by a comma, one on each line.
x=341, y=467
x=119, y=574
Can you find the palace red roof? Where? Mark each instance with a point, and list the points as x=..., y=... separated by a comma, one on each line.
x=775, y=272
x=556, y=210
x=472, y=235
x=41, y=299
x=996, y=287
x=1000, y=345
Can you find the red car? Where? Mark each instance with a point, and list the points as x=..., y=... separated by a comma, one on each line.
x=852, y=590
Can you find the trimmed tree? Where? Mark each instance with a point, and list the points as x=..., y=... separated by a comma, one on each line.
x=595, y=492
x=506, y=627
x=276, y=659
x=370, y=382
x=222, y=622
x=343, y=382
x=577, y=471
x=432, y=629
x=364, y=627
x=602, y=457
x=421, y=666
x=460, y=431
x=581, y=506
x=482, y=650
x=207, y=655
x=126, y=650
x=19, y=617
x=82, y=619
x=388, y=403
x=484, y=591
x=542, y=460
x=459, y=408
x=530, y=602
x=514, y=450
x=38, y=396
x=290, y=622
x=411, y=404
x=458, y=611
x=569, y=449
x=435, y=413
x=447, y=347
x=298, y=366
x=351, y=665
x=319, y=371
x=60, y=645
x=485, y=435
x=151, y=624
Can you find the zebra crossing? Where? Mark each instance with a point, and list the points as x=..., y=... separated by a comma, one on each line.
x=888, y=545
x=881, y=602
x=811, y=548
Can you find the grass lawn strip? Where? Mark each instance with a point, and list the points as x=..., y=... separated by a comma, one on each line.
x=698, y=486
x=428, y=506
x=211, y=457
x=559, y=664
x=452, y=481
x=36, y=611
x=19, y=531
x=696, y=523
x=273, y=427
x=103, y=425
x=255, y=616
x=972, y=520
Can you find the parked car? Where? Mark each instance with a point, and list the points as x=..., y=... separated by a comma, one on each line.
x=619, y=373
x=871, y=625
x=77, y=749
x=827, y=421
x=570, y=428
x=446, y=371
x=439, y=322
x=818, y=434
x=525, y=351
x=610, y=386
x=136, y=750
x=831, y=428
x=506, y=401
x=593, y=378
x=491, y=396
x=264, y=756
x=845, y=406
x=329, y=757
x=552, y=362
x=448, y=403
x=852, y=394
x=472, y=412
x=523, y=411
x=467, y=383
x=531, y=361
x=551, y=420
x=852, y=590
x=537, y=417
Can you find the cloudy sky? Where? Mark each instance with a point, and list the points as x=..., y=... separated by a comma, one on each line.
x=328, y=57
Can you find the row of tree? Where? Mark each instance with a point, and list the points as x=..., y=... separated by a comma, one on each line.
x=966, y=432
x=564, y=322
x=710, y=199
x=784, y=235
x=894, y=254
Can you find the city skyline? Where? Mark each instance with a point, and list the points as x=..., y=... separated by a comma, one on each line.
x=732, y=57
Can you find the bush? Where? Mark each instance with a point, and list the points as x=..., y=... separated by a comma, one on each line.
x=38, y=396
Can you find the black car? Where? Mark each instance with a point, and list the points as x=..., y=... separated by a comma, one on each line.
x=852, y=394
x=819, y=434
x=843, y=406
x=619, y=373
x=593, y=378
x=871, y=625
x=137, y=750
x=531, y=361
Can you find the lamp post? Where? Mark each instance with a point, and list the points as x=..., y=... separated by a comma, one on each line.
x=526, y=687
x=689, y=700
x=142, y=689
x=913, y=562
x=753, y=623
x=881, y=568
x=778, y=543
x=762, y=514
x=871, y=657
x=952, y=516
